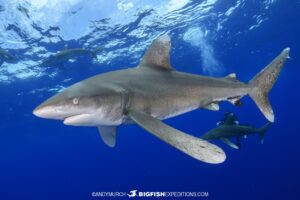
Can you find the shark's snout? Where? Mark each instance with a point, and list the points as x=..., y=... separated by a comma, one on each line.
x=39, y=112
x=47, y=112
x=52, y=109
x=56, y=107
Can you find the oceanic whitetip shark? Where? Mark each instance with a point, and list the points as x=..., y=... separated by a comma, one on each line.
x=231, y=128
x=66, y=54
x=154, y=91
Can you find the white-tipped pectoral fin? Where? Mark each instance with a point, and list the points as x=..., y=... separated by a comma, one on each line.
x=108, y=135
x=229, y=143
x=192, y=146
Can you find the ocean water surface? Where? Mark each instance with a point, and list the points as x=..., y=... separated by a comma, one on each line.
x=44, y=159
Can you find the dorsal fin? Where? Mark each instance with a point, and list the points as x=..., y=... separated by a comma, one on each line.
x=158, y=54
x=230, y=119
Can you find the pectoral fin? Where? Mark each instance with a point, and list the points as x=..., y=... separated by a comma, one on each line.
x=108, y=135
x=229, y=143
x=194, y=147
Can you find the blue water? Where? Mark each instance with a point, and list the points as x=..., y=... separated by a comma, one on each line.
x=43, y=159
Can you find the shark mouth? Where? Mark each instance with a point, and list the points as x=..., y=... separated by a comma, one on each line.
x=79, y=120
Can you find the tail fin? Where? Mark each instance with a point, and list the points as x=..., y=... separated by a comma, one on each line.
x=95, y=52
x=262, y=131
x=263, y=82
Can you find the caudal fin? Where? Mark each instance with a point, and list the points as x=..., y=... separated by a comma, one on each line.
x=263, y=82
x=262, y=131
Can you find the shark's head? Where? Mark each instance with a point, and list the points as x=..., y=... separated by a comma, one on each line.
x=63, y=105
x=81, y=105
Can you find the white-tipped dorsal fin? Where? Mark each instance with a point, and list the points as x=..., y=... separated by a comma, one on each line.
x=158, y=54
x=108, y=135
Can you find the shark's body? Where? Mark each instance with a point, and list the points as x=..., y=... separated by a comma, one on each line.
x=230, y=128
x=65, y=55
x=5, y=56
x=168, y=93
x=151, y=92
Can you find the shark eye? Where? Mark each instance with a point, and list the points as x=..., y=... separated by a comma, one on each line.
x=75, y=100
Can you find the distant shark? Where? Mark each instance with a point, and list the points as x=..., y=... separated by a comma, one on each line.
x=230, y=128
x=154, y=91
x=66, y=54
x=5, y=56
